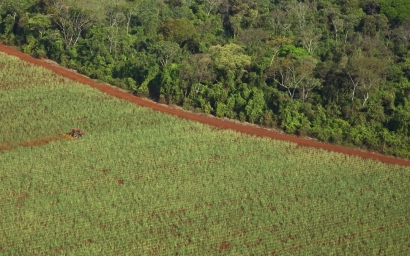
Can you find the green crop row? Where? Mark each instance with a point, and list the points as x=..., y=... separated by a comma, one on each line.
x=145, y=183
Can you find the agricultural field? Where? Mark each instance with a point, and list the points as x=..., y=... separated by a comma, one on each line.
x=144, y=183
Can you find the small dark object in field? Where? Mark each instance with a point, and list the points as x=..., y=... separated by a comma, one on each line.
x=76, y=133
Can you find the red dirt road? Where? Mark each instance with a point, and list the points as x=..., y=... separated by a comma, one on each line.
x=224, y=124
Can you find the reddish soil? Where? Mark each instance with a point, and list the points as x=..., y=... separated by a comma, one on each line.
x=31, y=143
x=224, y=246
x=38, y=142
x=219, y=123
x=5, y=146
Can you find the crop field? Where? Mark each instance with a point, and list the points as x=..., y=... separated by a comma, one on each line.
x=144, y=183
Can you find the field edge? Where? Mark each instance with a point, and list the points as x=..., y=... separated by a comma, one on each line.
x=213, y=121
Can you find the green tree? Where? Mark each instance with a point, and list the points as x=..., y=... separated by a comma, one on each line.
x=194, y=72
x=374, y=24
x=177, y=30
x=148, y=15
x=169, y=89
x=10, y=13
x=115, y=19
x=396, y=10
x=255, y=106
x=167, y=52
x=210, y=5
x=294, y=74
x=40, y=23
x=71, y=21
x=309, y=38
x=230, y=58
x=365, y=74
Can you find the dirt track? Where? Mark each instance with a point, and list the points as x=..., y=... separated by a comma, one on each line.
x=252, y=130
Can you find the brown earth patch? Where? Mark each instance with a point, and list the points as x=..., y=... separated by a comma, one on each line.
x=30, y=143
x=38, y=142
x=5, y=146
x=224, y=246
x=216, y=122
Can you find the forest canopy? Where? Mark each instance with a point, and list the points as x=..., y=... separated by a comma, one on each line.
x=334, y=70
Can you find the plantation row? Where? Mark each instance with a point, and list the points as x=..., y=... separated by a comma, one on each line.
x=141, y=182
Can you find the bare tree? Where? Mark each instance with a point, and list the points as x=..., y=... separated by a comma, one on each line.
x=309, y=38
x=211, y=4
x=115, y=18
x=308, y=85
x=131, y=11
x=365, y=73
x=71, y=22
x=300, y=9
x=278, y=20
x=293, y=74
x=305, y=68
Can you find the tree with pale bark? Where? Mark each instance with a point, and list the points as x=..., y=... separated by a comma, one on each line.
x=71, y=21
x=365, y=74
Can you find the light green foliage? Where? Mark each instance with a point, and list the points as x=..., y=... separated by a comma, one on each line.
x=144, y=183
x=229, y=57
x=292, y=51
x=40, y=23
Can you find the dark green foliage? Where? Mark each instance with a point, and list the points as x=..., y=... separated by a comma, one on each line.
x=335, y=70
x=396, y=10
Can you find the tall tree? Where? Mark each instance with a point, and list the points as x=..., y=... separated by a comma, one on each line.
x=166, y=51
x=279, y=21
x=71, y=21
x=195, y=71
x=294, y=74
x=365, y=74
x=115, y=19
x=230, y=58
x=40, y=23
x=177, y=30
x=396, y=11
x=310, y=38
x=148, y=14
x=210, y=5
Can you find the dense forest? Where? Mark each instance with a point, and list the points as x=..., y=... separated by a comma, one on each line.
x=335, y=70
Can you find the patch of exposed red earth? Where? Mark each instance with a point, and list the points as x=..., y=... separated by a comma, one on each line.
x=5, y=146
x=224, y=246
x=39, y=142
x=216, y=122
x=31, y=143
